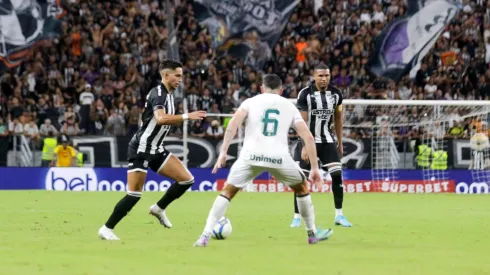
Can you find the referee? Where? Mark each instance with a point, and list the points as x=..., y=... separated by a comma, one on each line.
x=320, y=105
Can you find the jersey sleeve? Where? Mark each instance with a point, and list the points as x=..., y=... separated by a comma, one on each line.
x=297, y=116
x=57, y=149
x=72, y=152
x=301, y=102
x=245, y=105
x=341, y=98
x=157, y=98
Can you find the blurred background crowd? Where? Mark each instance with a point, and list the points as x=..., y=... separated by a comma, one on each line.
x=93, y=78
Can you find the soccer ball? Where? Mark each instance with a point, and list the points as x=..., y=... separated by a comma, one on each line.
x=479, y=142
x=222, y=229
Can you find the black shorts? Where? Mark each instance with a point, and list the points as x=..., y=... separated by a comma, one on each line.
x=141, y=161
x=327, y=153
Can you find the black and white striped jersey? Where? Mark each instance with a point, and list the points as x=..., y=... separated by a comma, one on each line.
x=478, y=160
x=320, y=107
x=149, y=137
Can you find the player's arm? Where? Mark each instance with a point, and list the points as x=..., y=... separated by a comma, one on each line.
x=163, y=118
x=339, y=124
x=158, y=102
x=235, y=122
x=73, y=155
x=302, y=104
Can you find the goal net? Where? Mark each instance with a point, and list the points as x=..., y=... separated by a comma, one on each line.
x=431, y=136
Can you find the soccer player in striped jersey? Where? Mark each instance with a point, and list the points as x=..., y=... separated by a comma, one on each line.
x=478, y=160
x=479, y=144
x=320, y=105
x=146, y=150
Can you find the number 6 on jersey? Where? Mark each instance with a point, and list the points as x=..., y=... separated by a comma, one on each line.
x=269, y=124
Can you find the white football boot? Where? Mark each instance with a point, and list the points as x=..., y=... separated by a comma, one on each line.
x=107, y=234
x=158, y=213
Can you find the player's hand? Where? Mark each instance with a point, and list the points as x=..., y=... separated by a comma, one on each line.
x=304, y=155
x=198, y=115
x=220, y=163
x=316, y=178
x=340, y=146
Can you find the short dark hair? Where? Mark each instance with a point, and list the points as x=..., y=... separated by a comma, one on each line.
x=169, y=64
x=272, y=81
x=321, y=66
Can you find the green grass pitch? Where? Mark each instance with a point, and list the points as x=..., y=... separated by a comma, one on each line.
x=56, y=233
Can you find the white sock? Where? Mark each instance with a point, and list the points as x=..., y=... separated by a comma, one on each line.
x=338, y=212
x=297, y=216
x=217, y=211
x=305, y=207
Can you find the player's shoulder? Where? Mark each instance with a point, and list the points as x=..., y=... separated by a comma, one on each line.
x=334, y=90
x=158, y=90
x=305, y=91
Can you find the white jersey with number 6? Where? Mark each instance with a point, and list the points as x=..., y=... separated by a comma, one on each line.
x=267, y=127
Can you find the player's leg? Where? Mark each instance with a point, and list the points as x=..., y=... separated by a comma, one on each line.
x=136, y=180
x=238, y=178
x=170, y=166
x=305, y=167
x=330, y=157
x=296, y=180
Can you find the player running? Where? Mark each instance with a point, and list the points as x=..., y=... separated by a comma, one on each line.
x=146, y=150
x=320, y=104
x=269, y=117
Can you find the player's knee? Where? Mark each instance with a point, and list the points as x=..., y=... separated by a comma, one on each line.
x=134, y=194
x=229, y=191
x=189, y=181
x=335, y=172
x=300, y=189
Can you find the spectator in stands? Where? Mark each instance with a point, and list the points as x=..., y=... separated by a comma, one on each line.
x=16, y=110
x=16, y=127
x=107, y=58
x=98, y=115
x=70, y=128
x=31, y=131
x=215, y=130
x=115, y=124
x=4, y=132
x=197, y=129
x=47, y=127
x=456, y=131
x=133, y=118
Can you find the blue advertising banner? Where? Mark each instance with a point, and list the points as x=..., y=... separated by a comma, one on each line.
x=114, y=179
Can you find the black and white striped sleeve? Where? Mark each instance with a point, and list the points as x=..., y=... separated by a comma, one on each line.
x=301, y=102
x=158, y=98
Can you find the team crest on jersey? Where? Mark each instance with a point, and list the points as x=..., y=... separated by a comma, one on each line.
x=145, y=164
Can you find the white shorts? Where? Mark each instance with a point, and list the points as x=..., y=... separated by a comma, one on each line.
x=241, y=173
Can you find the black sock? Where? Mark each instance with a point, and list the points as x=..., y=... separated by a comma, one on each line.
x=121, y=209
x=174, y=192
x=296, y=210
x=337, y=189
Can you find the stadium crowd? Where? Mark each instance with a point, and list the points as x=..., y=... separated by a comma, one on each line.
x=93, y=78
